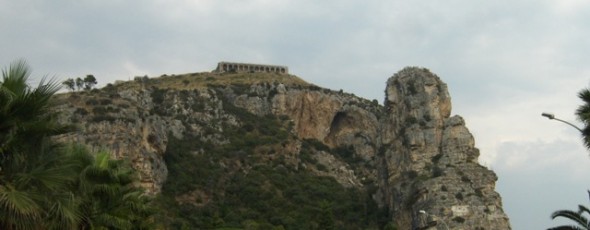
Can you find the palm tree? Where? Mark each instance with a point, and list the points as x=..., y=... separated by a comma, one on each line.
x=44, y=185
x=583, y=114
x=109, y=200
x=33, y=176
x=578, y=217
x=25, y=115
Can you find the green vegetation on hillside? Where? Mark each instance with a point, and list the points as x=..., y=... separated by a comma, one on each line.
x=245, y=184
x=234, y=173
x=204, y=79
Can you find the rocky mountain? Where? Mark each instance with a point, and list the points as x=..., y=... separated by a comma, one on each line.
x=219, y=145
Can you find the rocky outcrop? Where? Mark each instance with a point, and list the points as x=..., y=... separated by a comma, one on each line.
x=421, y=160
x=431, y=176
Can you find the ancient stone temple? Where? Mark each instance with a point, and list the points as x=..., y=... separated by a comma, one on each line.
x=250, y=68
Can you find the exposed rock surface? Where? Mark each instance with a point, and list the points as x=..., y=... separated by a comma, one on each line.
x=417, y=155
x=430, y=162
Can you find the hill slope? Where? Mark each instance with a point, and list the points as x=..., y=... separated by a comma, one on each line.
x=262, y=150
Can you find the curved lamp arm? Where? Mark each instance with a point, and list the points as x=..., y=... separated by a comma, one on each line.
x=552, y=117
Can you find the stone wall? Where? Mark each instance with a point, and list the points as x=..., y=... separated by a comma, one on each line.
x=251, y=68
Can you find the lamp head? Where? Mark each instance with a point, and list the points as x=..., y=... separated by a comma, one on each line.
x=548, y=115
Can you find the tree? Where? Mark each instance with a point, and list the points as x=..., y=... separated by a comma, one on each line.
x=89, y=82
x=583, y=114
x=326, y=216
x=46, y=186
x=33, y=176
x=79, y=83
x=70, y=84
x=108, y=198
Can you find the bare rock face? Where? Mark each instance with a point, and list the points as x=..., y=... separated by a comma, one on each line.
x=430, y=175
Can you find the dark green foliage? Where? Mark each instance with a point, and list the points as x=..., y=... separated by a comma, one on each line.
x=101, y=118
x=44, y=186
x=583, y=115
x=459, y=219
x=70, y=84
x=436, y=158
x=265, y=195
x=346, y=153
x=479, y=192
x=158, y=95
x=465, y=179
x=105, y=101
x=317, y=145
x=89, y=82
x=78, y=84
x=411, y=120
x=412, y=87
x=81, y=111
x=107, y=197
x=390, y=226
x=412, y=174
x=437, y=171
x=580, y=218
x=259, y=194
x=91, y=101
x=326, y=217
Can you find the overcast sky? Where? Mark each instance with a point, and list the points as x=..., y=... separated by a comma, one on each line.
x=504, y=61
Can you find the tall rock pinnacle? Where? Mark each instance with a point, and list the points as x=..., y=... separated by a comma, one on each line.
x=431, y=176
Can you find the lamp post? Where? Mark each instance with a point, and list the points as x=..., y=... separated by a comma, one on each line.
x=552, y=117
x=434, y=218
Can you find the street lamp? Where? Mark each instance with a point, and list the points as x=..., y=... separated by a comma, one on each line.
x=434, y=218
x=552, y=117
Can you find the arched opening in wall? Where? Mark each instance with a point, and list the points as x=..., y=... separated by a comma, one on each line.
x=282, y=70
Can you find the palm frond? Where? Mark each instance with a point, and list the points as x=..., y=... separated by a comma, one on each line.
x=577, y=217
x=566, y=227
x=18, y=208
x=16, y=76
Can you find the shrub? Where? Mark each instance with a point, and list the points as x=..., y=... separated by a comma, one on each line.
x=81, y=111
x=459, y=219
x=91, y=101
x=412, y=174
x=437, y=171
x=437, y=158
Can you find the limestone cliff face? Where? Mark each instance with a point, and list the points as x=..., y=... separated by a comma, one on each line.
x=417, y=156
x=431, y=161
